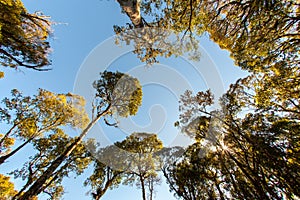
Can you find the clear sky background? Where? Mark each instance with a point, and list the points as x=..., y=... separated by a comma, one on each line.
x=81, y=27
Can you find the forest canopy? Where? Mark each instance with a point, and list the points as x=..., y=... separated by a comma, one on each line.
x=247, y=148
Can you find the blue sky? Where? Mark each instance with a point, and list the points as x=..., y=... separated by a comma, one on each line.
x=82, y=27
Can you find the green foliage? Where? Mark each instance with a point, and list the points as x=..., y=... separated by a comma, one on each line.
x=256, y=33
x=6, y=188
x=248, y=149
x=141, y=143
x=30, y=117
x=142, y=162
x=23, y=36
x=159, y=37
x=118, y=91
x=108, y=171
x=48, y=149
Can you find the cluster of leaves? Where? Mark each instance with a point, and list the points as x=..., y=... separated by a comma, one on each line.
x=6, y=188
x=119, y=92
x=27, y=118
x=258, y=34
x=23, y=36
x=108, y=170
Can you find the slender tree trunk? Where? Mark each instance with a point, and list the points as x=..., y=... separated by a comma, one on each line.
x=132, y=9
x=99, y=194
x=37, y=187
x=143, y=188
x=7, y=134
x=4, y=158
x=21, y=190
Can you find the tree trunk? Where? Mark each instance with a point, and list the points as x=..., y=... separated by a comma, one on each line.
x=37, y=187
x=4, y=158
x=100, y=192
x=8, y=134
x=132, y=9
x=143, y=188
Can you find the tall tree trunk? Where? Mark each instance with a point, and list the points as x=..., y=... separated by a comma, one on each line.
x=143, y=188
x=37, y=187
x=132, y=9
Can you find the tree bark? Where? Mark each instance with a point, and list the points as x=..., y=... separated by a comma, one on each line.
x=132, y=9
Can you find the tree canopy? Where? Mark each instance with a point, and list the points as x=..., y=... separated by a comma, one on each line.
x=256, y=33
x=116, y=94
x=6, y=188
x=29, y=118
x=142, y=162
x=247, y=148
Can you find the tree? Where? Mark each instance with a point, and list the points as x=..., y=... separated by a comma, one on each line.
x=246, y=150
x=23, y=37
x=116, y=93
x=152, y=39
x=113, y=165
x=142, y=163
x=256, y=33
x=48, y=148
x=32, y=117
x=108, y=171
